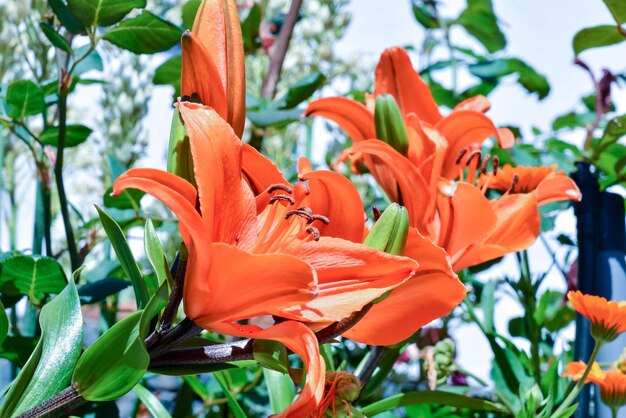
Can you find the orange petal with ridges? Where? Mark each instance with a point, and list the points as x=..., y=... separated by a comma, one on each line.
x=299, y=339
x=259, y=171
x=351, y=116
x=349, y=276
x=405, y=177
x=468, y=129
x=335, y=197
x=433, y=292
x=472, y=218
x=395, y=75
x=199, y=75
x=227, y=204
x=517, y=226
x=174, y=193
x=244, y=285
x=217, y=27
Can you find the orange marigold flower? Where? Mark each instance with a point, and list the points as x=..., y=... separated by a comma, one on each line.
x=608, y=318
x=612, y=382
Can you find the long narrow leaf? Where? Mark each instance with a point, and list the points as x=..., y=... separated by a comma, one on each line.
x=154, y=406
x=232, y=402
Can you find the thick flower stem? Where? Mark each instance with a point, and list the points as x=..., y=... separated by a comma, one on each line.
x=375, y=356
x=243, y=349
x=62, y=402
x=574, y=393
x=181, y=333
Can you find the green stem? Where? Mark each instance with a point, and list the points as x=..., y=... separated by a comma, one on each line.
x=529, y=301
x=58, y=172
x=574, y=393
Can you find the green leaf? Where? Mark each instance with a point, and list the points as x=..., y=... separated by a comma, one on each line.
x=144, y=34
x=92, y=61
x=50, y=367
x=190, y=9
x=202, y=368
x=102, y=12
x=59, y=7
x=155, y=254
x=4, y=324
x=125, y=257
x=595, y=37
x=480, y=21
x=273, y=117
x=24, y=98
x=430, y=397
x=302, y=90
x=279, y=390
x=169, y=73
x=54, y=38
x=235, y=408
x=114, y=364
x=617, y=9
x=615, y=129
x=101, y=289
x=487, y=303
x=128, y=199
x=250, y=28
x=33, y=277
x=75, y=135
x=151, y=402
x=270, y=354
x=424, y=15
x=527, y=76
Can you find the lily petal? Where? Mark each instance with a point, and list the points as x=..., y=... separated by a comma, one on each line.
x=468, y=129
x=353, y=117
x=199, y=75
x=477, y=103
x=433, y=292
x=517, y=226
x=259, y=171
x=350, y=275
x=395, y=75
x=301, y=340
x=218, y=28
x=216, y=152
x=335, y=197
x=406, y=178
x=245, y=285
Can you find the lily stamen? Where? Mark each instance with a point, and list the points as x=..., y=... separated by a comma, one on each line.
x=315, y=232
x=471, y=168
x=283, y=198
x=485, y=164
x=460, y=155
x=279, y=186
x=303, y=212
x=514, y=182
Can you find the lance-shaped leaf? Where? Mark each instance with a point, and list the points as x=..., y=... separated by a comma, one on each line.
x=596, y=37
x=102, y=12
x=50, y=367
x=144, y=34
x=151, y=402
x=33, y=277
x=114, y=364
x=125, y=256
x=24, y=98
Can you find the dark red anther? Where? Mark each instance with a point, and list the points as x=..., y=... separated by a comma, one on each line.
x=300, y=212
x=284, y=198
x=514, y=182
x=494, y=164
x=321, y=218
x=470, y=157
x=315, y=232
x=483, y=166
x=279, y=186
x=460, y=155
x=376, y=213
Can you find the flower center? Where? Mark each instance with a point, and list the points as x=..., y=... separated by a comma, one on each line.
x=284, y=219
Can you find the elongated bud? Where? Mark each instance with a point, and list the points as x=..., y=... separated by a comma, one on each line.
x=179, y=159
x=390, y=124
x=390, y=232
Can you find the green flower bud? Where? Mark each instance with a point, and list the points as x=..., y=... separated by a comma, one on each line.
x=390, y=232
x=179, y=159
x=390, y=123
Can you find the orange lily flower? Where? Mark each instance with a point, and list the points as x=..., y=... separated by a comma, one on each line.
x=612, y=382
x=466, y=127
x=250, y=257
x=458, y=216
x=608, y=318
x=214, y=63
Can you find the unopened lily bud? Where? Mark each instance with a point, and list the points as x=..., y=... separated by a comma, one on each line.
x=390, y=232
x=390, y=123
x=341, y=389
x=179, y=159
